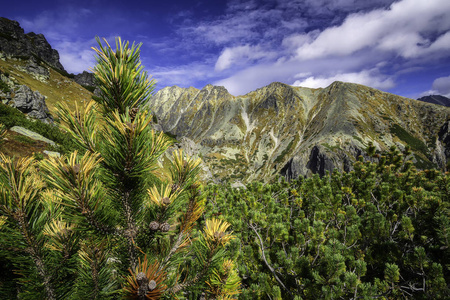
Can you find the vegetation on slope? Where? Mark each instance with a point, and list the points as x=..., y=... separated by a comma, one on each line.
x=10, y=117
x=380, y=231
x=57, y=88
x=104, y=225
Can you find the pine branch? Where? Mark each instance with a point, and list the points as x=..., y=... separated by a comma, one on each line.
x=272, y=270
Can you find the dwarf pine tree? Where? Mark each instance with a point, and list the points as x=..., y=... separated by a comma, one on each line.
x=108, y=222
x=380, y=231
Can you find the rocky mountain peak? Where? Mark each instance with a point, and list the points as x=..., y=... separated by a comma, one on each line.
x=294, y=131
x=14, y=42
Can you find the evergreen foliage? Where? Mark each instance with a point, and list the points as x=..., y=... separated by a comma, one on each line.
x=104, y=222
x=380, y=231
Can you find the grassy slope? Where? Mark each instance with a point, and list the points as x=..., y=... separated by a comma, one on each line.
x=58, y=89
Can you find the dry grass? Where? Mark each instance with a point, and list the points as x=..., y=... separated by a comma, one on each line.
x=13, y=145
x=58, y=88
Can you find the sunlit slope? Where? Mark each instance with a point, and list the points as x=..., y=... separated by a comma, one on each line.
x=295, y=130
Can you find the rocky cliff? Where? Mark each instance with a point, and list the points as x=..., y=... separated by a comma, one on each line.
x=293, y=131
x=14, y=42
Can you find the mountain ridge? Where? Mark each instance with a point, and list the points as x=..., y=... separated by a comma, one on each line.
x=436, y=99
x=295, y=129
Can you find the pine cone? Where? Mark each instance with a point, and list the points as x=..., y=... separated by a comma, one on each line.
x=154, y=225
x=133, y=113
x=152, y=285
x=165, y=200
x=76, y=169
x=141, y=278
x=164, y=227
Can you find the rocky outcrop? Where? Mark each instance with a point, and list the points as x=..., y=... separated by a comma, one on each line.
x=295, y=131
x=443, y=145
x=85, y=79
x=14, y=42
x=319, y=162
x=31, y=134
x=35, y=69
x=30, y=103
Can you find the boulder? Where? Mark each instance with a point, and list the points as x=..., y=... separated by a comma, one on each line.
x=31, y=134
x=31, y=103
x=85, y=79
x=39, y=72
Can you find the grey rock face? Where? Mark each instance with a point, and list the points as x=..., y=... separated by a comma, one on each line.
x=319, y=162
x=444, y=140
x=31, y=103
x=34, y=68
x=85, y=78
x=14, y=42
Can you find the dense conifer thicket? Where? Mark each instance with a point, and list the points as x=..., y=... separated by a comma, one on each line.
x=104, y=222
x=378, y=232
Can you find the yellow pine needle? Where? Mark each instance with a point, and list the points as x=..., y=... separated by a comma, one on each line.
x=157, y=195
x=214, y=231
x=58, y=231
x=2, y=221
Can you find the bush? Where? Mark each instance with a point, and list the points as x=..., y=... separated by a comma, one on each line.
x=382, y=229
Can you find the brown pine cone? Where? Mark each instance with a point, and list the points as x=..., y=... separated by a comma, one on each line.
x=164, y=227
x=154, y=225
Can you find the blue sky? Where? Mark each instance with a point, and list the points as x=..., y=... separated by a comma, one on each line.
x=399, y=46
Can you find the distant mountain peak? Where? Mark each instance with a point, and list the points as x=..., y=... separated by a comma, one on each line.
x=436, y=99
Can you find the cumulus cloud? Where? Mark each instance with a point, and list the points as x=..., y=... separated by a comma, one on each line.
x=404, y=28
x=372, y=45
x=379, y=43
x=365, y=77
x=440, y=86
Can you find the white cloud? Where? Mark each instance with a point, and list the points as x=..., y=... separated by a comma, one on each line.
x=366, y=77
x=239, y=55
x=402, y=29
x=76, y=57
x=441, y=86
